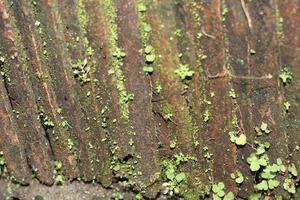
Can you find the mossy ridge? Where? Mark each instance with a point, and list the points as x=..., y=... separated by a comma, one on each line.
x=12, y=148
x=43, y=159
x=73, y=109
x=60, y=132
x=199, y=96
x=236, y=103
x=288, y=58
x=167, y=109
x=117, y=60
x=89, y=155
x=123, y=151
x=207, y=38
x=101, y=145
x=269, y=98
x=138, y=83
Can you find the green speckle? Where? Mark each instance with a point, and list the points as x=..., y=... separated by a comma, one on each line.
x=118, y=55
x=184, y=71
x=287, y=106
x=150, y=58
x=252, y=52
x=148, y=70
x=285, y=75
x=58, y=173
x=142, y=7
x=148, y=49
x=232, y=93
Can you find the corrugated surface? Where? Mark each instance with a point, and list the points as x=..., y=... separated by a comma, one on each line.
x=73, y=90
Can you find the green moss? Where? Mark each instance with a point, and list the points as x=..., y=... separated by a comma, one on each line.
x=279, y=22
x=117, y=61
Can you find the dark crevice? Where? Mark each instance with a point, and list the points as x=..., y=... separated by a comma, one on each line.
x=7, y=92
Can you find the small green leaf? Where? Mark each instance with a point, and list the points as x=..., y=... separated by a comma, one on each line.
x=232, y=135
x=170, y=174
x=117, y=167
x=232, y=93
x=229, y=196
x=252, y=51
x=292, y=169
x=239, y=179
x=241, y=140
x=218, y=187
x=184, y=71
x=264, y=126
x=287, y=106
x=146, y=27
x=285, y=75
x=289, y=186
x=255, y=196
x=148, y=70
x=262, y=186
x=142, y=7
x=180, y=177
x=273, y=184
x=254, y=162
x=150, y=58
x=148, y=49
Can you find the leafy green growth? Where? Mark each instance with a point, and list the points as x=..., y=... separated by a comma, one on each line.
x=149, y=49
x=265, y=185
x=173, y=144
x=285, y=75
x=289, y=185
x=238, y=177
x=263, y=129
x=2, y=163
x=292, y=170
x=146, y=27
x=184, y=71
x=229, y=196
x=261, y=147
x=90, y=51
x=148, y=70
x=287, y=106
x=116, y=195
x=81, y=70
x=256, y=162
x=255, y=196
x=224, y=12
x=206, y=154
x=239, y=140
x=45, y=119
x=178, y=33
x=139, y=196
x=141, y=7
x=119, y=53
x=232, y=93
x=58, y=173
x=158, y=87
x=218, y=190
x=252, y=51
x=206, y=115
x=167, y=112
x=173, y=177
x=71, y=143
x=150, y=58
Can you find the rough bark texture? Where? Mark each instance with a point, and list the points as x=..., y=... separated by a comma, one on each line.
x=80, y=102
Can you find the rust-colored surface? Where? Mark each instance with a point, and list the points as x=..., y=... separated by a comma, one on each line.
x=73, y=89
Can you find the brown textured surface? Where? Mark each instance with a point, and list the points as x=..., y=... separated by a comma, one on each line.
x=41, y=41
